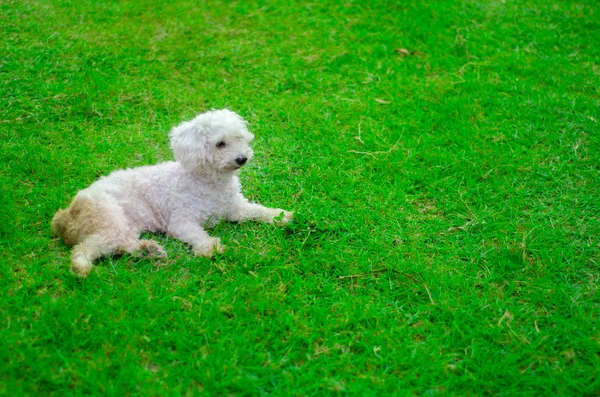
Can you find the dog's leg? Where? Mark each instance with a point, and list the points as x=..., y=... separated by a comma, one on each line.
x=91, y=248
x=95, y=246
x=193, y=234
x=244, y=210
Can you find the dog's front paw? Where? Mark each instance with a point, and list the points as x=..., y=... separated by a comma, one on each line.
x=209, y=248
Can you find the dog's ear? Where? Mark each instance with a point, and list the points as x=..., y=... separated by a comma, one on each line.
x=189, y=144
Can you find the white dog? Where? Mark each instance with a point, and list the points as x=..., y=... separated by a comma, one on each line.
x=177, y=198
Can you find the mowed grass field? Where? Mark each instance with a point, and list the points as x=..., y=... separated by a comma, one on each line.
x=442, y=160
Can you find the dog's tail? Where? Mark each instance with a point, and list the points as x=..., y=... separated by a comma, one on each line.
x=60, y=222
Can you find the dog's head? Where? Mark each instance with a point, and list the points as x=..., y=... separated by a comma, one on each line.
x=215, y=141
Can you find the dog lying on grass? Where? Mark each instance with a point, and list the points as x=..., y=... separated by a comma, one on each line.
x=176, y=198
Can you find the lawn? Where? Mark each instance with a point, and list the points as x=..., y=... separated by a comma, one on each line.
x=442, y=159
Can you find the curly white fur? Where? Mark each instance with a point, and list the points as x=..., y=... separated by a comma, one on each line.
x=177, y=198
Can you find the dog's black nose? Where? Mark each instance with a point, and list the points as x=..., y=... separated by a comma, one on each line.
x=241, y=160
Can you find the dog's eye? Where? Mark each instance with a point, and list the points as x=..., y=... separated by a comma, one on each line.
x=221, y=144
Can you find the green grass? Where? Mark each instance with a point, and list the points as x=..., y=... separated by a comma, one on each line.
x=446, y=239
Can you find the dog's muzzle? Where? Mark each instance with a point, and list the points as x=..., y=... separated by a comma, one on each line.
x=241, y=160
